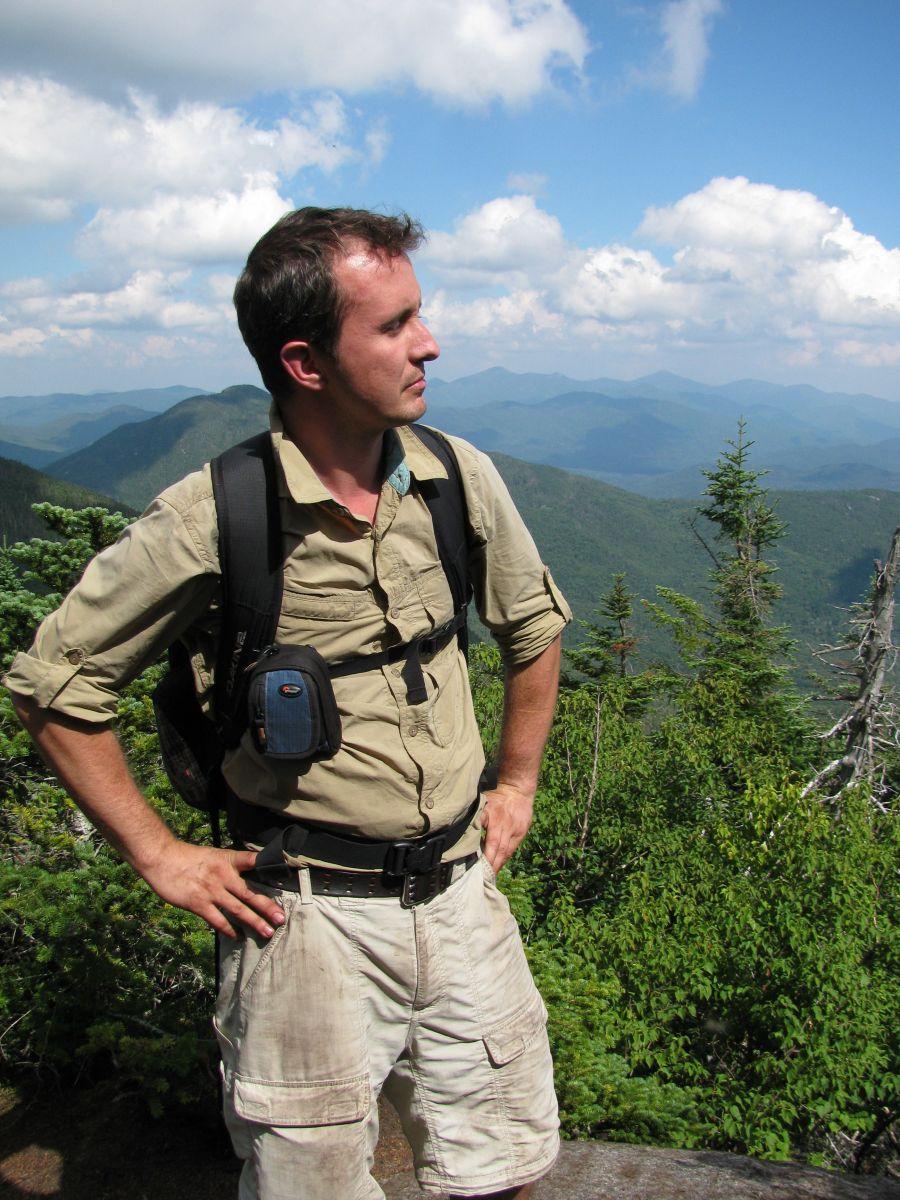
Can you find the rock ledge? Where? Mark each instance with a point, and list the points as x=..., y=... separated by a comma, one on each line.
x=608, y=1171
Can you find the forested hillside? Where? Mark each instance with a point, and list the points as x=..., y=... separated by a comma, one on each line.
x=135, y=462
x=589, y=531
x=21, y=487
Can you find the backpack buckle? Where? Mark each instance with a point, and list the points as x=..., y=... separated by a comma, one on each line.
x=414, y=858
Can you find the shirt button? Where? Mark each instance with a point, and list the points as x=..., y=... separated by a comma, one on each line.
x=429, y=804
x=396, y=671
x=413, y=730
x=75, y=657
x=395, y=612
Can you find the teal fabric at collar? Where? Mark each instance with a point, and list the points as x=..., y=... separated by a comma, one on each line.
x=395, y=469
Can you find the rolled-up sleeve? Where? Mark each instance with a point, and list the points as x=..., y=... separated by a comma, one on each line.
x=134, y=599
x=515, y=593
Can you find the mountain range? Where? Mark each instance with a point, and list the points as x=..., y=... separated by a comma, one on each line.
x=586, y=528
x=22, y=486
x=653, y=435
x=39, y=429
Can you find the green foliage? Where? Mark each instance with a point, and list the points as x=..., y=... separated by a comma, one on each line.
x=22, y=487
x=97, y=975
x=716, y=951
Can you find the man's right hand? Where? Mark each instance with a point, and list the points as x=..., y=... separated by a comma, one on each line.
x=208, y=882
x=89, y=762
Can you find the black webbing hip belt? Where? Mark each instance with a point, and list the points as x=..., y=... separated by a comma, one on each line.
x=411, y=856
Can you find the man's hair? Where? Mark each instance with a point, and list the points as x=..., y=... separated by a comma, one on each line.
x=287, y=291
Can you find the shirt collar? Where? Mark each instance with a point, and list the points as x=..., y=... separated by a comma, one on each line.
x=302, y=483
x=404, y=456
x=421, y=462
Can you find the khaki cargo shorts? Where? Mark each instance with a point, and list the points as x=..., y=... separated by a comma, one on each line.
x=435, y=1004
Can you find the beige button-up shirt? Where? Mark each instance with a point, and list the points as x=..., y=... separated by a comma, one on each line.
x=350, y=588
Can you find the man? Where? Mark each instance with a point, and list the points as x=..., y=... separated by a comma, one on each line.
x=332, y=986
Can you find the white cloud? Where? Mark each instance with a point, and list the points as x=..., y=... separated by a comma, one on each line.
x=778, y=255
x=60, y=149
x=505, y=239
x=678, y=68
x=869, y=354
x=378, y=139
x=492, y=316
x=146, y=300
x=734, y=214
x=185, y=229
x=685, y=26
x=751, y=264
x=750, y=269
x=532, y=183
x=619, y=283
x=22, y=343
x=465, y=52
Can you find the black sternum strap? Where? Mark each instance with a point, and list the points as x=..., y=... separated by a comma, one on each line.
x=411, y=653
x=412, y=676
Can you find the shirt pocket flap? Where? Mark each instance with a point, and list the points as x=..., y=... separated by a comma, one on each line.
x=318, y=1102
x=507, y=1041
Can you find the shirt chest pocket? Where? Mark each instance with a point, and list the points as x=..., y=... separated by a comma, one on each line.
x=434, y=593
x=338, y=624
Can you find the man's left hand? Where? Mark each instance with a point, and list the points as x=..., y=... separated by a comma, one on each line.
x=506, y=817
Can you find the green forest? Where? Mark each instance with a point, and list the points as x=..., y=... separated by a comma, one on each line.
x=706, y=894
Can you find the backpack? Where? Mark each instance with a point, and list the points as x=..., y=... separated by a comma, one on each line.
x=245, y=490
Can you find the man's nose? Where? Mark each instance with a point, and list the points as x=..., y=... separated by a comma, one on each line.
x=426, y=348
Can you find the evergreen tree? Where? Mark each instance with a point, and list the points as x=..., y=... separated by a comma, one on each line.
x=746, y=527
x=736, y=692
x=607, y=653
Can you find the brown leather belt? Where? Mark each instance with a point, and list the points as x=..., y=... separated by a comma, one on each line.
x=412, y=889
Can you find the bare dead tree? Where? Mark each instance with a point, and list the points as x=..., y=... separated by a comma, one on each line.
x=870, y=725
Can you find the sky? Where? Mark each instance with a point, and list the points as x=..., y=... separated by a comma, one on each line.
x=610, y=188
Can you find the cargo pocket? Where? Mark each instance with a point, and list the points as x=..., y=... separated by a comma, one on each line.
x=510, y=1039
x=290, y=1022
x=314, y=1102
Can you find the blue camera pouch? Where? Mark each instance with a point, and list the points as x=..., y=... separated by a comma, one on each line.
x=293, y=713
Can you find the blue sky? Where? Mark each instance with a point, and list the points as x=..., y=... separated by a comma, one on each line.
x=705, y=186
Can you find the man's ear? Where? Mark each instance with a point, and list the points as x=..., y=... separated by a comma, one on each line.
x=302, y=364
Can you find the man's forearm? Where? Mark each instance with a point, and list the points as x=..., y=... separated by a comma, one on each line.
x=89, y=762
x=529, y=701
x=91, y=765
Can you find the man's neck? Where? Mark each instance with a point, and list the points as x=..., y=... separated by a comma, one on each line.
x=348, y=464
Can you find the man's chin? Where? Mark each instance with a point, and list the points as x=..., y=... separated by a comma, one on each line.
x=416, y=408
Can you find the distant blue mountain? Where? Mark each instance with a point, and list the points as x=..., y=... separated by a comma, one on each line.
x=39, y=410
x=655, y=435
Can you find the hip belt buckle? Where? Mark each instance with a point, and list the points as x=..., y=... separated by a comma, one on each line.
x=423, y=886
x=419, y=865
x=414, y=858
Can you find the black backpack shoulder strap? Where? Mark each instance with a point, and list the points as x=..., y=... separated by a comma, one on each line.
x=245, y=488
x=447, y=504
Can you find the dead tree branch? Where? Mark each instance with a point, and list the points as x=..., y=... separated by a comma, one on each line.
x=869, y=725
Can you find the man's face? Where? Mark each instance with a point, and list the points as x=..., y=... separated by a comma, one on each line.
x=376, y=379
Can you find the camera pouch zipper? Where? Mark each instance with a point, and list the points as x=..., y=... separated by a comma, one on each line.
x=291, y=706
